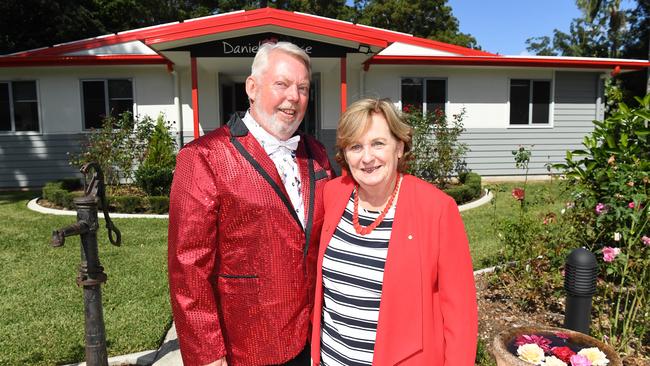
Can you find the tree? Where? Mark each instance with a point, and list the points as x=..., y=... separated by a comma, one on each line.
x=431, y=19
x=27, y=24
x=599, y=32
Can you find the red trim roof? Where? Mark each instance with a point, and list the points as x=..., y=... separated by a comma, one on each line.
x=160, y=34
x=11, y=61
x=588, y=63
x=251, y=19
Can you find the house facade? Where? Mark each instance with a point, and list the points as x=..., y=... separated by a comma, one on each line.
x=194, y=71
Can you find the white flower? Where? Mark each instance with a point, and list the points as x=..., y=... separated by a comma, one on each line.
x=553, y=361
x=617, y=236
x=531, y=352
x=562, y=211
x=595, y=356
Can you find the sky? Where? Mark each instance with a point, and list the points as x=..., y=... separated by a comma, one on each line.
x=502, y=26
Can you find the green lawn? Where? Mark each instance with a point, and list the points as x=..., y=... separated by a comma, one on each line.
x=481, y=223
x=41, y=320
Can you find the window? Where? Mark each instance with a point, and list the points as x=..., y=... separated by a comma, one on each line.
x=102, y=98
x=530, y=102
x=425, y=94
x=18, y=106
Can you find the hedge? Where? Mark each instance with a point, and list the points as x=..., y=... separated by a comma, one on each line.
x=62, y=193
x=469, y=189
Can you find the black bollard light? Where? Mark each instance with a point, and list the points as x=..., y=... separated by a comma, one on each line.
x=580, y=285
x=91, y=273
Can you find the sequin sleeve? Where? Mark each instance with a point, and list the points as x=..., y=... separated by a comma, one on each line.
x=192, y=240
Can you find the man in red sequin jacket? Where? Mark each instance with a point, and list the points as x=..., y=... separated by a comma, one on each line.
x=244, y=223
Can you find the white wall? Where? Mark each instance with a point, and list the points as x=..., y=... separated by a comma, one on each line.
x=483, y=93
x=59, y=92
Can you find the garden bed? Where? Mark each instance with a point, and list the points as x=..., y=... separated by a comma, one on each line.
x=500, y=309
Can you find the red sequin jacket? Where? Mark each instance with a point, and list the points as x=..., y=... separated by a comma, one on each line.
x=241, y=267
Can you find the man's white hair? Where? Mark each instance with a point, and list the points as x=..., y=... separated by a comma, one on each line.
x=261, y=60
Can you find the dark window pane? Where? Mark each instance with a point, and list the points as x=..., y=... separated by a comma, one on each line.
x=5, y=112
x=412, y=93
x=24, y=90
x=94, y=103
x=436, y=95
x=541, y=101
x=120, y=106
x=519, y=99
x=26, y=116
x=120, y=89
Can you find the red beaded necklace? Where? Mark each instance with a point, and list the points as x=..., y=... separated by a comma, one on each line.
x=365, y=230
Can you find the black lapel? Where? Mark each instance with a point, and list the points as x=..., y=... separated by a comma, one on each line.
x=239, y=129
x=312, y=192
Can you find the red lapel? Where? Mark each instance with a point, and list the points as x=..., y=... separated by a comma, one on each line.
x=399, y=329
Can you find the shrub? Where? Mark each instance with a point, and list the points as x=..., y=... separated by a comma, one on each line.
x=127, y=203
x=117, y=147
x=155, y=174
x=57, y=193
x=158, y=204
x=469, y=189
x=437, y=154
x=610, y=181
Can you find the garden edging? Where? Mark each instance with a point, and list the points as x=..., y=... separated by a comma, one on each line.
x=34, y=206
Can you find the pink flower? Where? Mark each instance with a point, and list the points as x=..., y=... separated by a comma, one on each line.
x=578, y=360
x=518, y=194
x=542, y=342
x=562, y=335
x=631, y=204
x=645, y=240
x=601, y=208
x=609, y=253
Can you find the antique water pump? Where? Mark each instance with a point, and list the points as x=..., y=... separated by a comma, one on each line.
x=91, y=273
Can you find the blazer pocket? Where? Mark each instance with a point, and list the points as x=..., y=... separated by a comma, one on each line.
x=238, y=284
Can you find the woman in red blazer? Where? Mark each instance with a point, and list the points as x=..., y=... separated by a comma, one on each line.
x=427, y=312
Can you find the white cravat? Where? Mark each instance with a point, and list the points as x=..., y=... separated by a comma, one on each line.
x=283, y=155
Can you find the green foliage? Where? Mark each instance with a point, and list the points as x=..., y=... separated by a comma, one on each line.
x=155, y=174
x=158, y=204
x=438, y=155
x=610, y=181
x=469, y=189
x=426, y=19
x=59, y=194
x=127, y=203
x=117, y=147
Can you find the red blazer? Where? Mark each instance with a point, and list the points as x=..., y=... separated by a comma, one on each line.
x=241, y=267
x=428, y=313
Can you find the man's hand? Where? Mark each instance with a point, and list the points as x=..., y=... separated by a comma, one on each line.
x=220, y=362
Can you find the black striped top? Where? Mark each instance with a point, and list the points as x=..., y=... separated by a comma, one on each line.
x=353, y=274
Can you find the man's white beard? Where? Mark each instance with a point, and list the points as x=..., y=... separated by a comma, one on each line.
x=272, y=126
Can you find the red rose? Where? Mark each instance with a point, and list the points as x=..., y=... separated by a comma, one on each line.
x=563, y=353
x=518, y=194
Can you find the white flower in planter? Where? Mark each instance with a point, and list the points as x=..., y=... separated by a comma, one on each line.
x=595, y=356
x=532, y=353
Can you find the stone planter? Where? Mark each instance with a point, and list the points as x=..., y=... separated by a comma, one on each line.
x=505, y=358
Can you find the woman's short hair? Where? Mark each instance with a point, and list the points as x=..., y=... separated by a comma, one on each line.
x=261, y=60
x=356, y=121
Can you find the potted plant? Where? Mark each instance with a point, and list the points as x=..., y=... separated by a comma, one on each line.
x=549, y=346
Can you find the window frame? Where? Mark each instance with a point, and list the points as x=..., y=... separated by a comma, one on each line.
x=424, y=91
x=107, y=98
x=12, y=113
x=551, y=104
